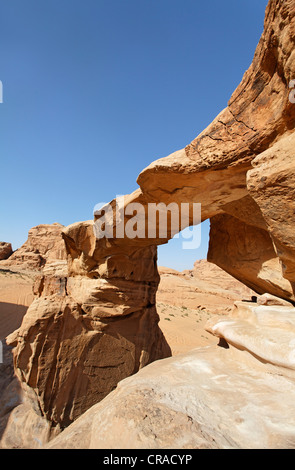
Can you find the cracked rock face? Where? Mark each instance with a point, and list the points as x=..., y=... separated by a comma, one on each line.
x=84, y=333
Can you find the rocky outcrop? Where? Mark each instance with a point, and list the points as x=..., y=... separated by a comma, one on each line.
x=102, y=319
x=216, y=169
x=271, y=183
x=239, y=396
x=43, y=247
x=85, y=333
x=5, y=250
x=247, y=253
x=262, y=255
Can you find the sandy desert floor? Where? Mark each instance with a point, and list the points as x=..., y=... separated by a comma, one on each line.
x=184, y=328
x=185, y=301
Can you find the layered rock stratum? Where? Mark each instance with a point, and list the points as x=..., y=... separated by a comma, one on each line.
x=89, y=329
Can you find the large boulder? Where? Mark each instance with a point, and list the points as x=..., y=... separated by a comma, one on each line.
x=5, y=250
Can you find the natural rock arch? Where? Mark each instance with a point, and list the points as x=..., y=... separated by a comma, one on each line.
x=84, y=333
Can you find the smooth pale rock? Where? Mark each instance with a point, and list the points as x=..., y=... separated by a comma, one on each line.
x=211, y=398
x=5, y=250
x=281, y=316
x=24, y=428
x=267, y=332
x=268, y=299
x=274, y=345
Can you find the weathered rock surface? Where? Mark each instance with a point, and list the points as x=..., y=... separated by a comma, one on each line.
x=21, y=422
x=83, y=334
x=247, y=253
x=23, y=427
x=5, y=250
x=108, y=301
x=268, y=299
x=271, y=183
x=239, y=397
x=43, y=247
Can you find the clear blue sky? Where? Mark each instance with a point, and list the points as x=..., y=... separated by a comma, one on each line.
x=95, y=90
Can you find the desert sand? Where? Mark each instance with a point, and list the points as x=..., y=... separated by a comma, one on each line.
x=186, y=301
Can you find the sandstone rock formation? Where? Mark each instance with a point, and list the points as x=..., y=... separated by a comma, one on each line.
x=188, y=299
x=43, y=247
x=271, y=183
x=216, y=168
x=84, y=333
x=248, y=254
x=5, y=250
x=240, y=396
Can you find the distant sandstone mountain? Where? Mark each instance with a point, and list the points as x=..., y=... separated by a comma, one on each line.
x=205, y=285
x=44, y=246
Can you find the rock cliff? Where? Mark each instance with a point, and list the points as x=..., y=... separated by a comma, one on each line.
x=43, y=247
x=85, y=332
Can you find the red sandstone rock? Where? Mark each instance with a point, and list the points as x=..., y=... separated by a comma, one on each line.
x=75, y=345
x=5, y=250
